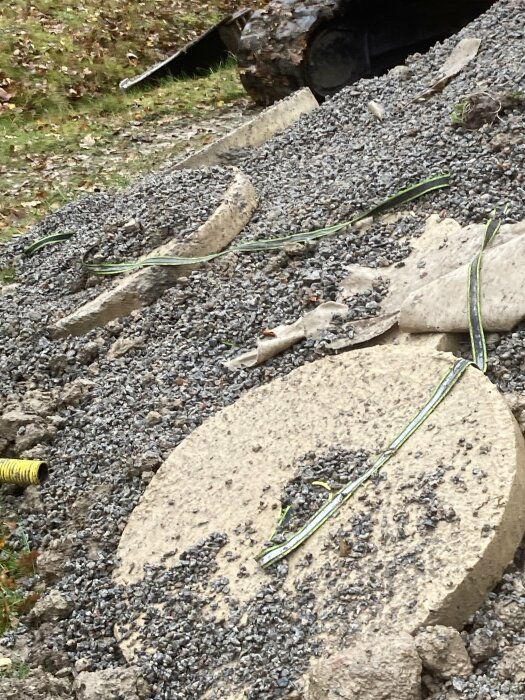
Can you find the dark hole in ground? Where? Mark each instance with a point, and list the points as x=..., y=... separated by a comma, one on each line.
x=368, y=38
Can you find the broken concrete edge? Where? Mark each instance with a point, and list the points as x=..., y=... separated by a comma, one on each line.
x=444, y=342
x=144, y=286
x=488, y=570
x=388, y=665
x=255, y=132
x=286, y=335
x=441, y=304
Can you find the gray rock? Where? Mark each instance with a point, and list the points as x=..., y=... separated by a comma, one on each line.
x=77, y=390
x=53, y=606
x=33, y=499
x=38, y=685
x=511, y=666
x=34, y=434
x=111, y=684
x=379, y=668
x=482, y=645
x=443, y=652
x=153, y=418
x=53, y=560
x=12, y=421
x=511, y=613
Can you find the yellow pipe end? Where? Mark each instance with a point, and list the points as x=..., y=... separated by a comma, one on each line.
x=23, y=472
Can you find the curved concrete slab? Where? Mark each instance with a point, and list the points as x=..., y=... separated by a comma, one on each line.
x=422, y=545
x=441, y=305
x=141, y=288
x=442, y=247
x=255, y=132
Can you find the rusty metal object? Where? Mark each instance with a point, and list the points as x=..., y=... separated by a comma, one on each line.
x=204, y=53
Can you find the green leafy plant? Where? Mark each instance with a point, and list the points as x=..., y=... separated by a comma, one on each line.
x=17, y=562
x=17, y=669
x=459, y=112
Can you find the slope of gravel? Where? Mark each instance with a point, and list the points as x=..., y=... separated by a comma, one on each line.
x=141, y=404
x=115, y=226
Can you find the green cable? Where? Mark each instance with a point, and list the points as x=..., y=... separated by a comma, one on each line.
x=275, y=552
x=404, y=196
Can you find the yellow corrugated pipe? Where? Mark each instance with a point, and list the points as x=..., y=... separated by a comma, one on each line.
x=23, y=472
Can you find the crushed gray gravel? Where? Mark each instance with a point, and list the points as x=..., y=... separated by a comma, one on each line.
x=116, y=226
x=317, y=476
x=332, y=163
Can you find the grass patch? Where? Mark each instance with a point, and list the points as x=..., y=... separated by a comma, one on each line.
x=18, y=669
x=17, y=562
x=7, y=275
x=64, y=124
x=52, y=158
x=54, y=52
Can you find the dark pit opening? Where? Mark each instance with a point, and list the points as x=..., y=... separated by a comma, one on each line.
x=367, y=38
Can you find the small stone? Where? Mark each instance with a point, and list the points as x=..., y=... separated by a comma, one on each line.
x=33, y=434
x=482, y=645
x=111, y=684
x=376, y=109
x=89, y=351
x=12, y=420
x=38, y=685
x=380, y=667
x=123, y=345
x=76, y=391
x=442, y=651
x=512, y=664
x=33, y=499
x=52, y=561
x=153, y=418
x=511, y=613
x=53, y=606
x=82, y=665
x=132, y=226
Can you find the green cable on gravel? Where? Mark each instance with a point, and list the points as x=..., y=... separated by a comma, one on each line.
x=275, y=552
x=45, y=241
x=404, y=196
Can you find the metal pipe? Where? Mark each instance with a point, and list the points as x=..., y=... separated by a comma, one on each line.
x=23, y=472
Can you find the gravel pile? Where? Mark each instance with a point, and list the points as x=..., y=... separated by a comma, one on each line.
x=317, y=476
x=116, y=226
x=334, y=162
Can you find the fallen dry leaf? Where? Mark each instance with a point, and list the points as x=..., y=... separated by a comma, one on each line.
x=88, y=141
x=460, y=56
x=4, y=95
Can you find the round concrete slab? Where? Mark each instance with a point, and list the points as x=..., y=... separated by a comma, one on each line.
x=423, y=544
